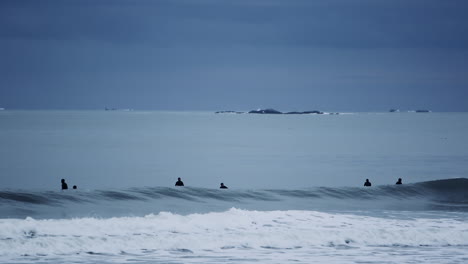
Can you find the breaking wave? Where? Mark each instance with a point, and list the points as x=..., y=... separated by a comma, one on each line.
x=230, y=232
x=198, y=224
x=449, y=194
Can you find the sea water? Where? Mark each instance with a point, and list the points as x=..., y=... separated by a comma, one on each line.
x=295, y=187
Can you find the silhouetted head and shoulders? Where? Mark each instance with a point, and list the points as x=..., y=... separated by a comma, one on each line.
x=399, y=181
x=367, y=183
x=74, y=187
x=223, y=186
x=179, y=182
x=64, y=185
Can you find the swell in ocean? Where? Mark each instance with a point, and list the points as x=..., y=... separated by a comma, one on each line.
x=446, y=195
x=421, y=223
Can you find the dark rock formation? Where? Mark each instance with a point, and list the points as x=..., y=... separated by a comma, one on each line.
x=304, y=113
x=294, y=113
x=265, y=111
x=272, y=111
x=228, y=112
x=313, y=112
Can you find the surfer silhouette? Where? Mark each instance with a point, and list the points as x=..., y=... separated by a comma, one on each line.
x=74, y=187
x=179, y=182
x=399, y=181
x=64, y=185
x=367, y=183
x=223, y=186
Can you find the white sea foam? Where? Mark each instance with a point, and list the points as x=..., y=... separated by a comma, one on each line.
x=213, y=233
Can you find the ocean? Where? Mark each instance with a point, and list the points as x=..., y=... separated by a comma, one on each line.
x=295, y=194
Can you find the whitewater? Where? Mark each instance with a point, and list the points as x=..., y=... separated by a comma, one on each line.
x=418, y=223
x=237, y=236
x=295, y=192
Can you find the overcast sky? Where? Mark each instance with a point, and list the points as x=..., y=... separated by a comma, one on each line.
x=331, y=55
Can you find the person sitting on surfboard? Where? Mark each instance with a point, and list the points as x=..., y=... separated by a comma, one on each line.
x=367, y=183
x=64, y=185
x=399, y=181
x=223, y=186
x=179, y=182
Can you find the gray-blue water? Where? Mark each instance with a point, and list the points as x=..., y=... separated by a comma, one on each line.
x=295, y=187
x=111, y=149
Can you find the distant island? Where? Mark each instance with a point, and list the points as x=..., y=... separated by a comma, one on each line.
x=265, y=111
x=118, y=109
x=272, y=112
x=228, y=112
x=411, y=111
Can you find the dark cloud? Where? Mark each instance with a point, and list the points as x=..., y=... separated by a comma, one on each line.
x=183, y=54
x=335, y=23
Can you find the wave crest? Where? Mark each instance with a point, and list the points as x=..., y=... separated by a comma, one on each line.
x=449, y=194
